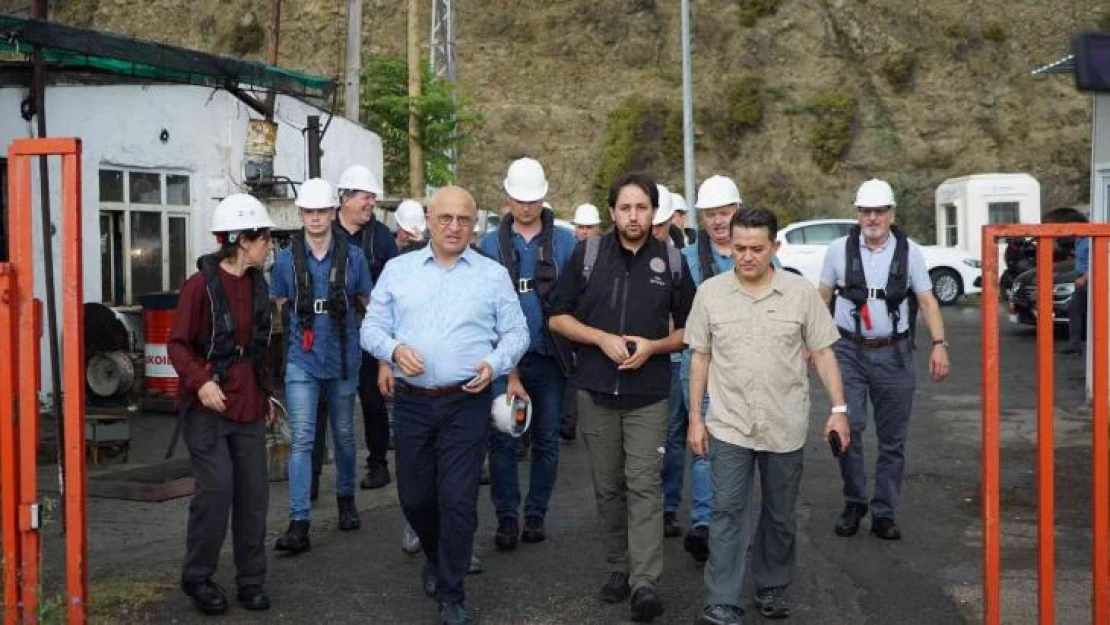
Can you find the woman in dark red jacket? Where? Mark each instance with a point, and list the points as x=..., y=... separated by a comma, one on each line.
x=218, y=345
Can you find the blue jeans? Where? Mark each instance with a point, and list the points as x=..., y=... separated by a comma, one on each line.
x=545, y=384
x=701, y=487
x=439, y=461
x=301, y=393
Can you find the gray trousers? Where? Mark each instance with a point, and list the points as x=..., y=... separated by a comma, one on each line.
x=228, y=460
x=884, y=378
x=773, y=554
x=626, y=449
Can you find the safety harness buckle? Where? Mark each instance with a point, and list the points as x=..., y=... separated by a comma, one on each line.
x=524, y=285
x=320, y=306
x=875, y=293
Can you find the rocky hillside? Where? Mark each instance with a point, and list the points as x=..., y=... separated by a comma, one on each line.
x=800, y=100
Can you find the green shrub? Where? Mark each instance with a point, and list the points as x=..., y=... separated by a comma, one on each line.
x=899, y=69
x=832, y=132
x=1103, y=22
x=994, y=32
x=640, y=135
x=618, y=148
x=752, y=10
x=744, y=105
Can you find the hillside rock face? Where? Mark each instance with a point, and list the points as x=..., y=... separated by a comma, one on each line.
x=940, y=88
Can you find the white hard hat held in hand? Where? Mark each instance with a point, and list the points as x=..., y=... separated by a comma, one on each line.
x=315, y=194
x=586, y=215
x=875, y=193
x=360, y=178
x=666, y=207
x=239, y=212
x=511, y=417
x=410, y=218
x=526, y=181
x=717, y=191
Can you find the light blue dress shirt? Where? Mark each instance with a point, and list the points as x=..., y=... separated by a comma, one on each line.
x=455, y=317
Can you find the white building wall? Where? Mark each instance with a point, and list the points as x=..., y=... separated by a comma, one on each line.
x=120, y=126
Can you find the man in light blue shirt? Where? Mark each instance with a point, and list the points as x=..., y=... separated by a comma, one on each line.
x=449, y=321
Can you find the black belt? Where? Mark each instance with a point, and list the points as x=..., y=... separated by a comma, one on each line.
x=435, y=391
x=883, y=341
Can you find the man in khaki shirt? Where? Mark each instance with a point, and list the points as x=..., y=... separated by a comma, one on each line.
x=749, y=331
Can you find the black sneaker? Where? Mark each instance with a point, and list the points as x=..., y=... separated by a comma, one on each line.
x=885, y=528
x=772, y=602
x=568, y=433
x=721, y=614
x=847, y=524
x=295, y=539
x=348, y=514
x=671, y=527
x=533, y=530
x=377, y=476
x=696, y=543
x=454, y=613
x=508, y=532
x=616, y=589
x=646, y=605
x=253, y=597
x=207, y=596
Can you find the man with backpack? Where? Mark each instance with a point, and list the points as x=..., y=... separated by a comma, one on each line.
x=616, y=301
x=879, y=280
x=534, y=251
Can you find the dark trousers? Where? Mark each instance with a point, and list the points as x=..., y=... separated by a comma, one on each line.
x=882, y=379
x=568, y=421
x=228, y=461
x=1077, y=317
x=773, y=553
x=439, y=447
x=375, y=419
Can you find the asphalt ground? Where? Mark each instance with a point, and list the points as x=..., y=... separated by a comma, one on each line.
x=932, y=576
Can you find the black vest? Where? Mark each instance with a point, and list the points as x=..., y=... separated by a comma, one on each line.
x=335, y=304
x=222, y=349
x=635, y=300
x=705, y=256
x=897, y=288
x=547, y=270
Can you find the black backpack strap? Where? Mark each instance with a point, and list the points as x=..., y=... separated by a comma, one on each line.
x=304, y=295
x=337, y=296
x=547, y=269
x=506, y=253
x=705, y=256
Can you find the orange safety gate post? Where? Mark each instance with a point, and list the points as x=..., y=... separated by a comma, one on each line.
x=1099, y=290
x=19, y=387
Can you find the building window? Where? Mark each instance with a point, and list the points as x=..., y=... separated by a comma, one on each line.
x=1003, y=213
x=144, y=233
x=951, y=226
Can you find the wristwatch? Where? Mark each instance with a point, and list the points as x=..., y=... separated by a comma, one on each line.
x=943, y=343
x=839, y=410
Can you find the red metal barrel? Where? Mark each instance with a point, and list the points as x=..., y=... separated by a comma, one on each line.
x=158, y=314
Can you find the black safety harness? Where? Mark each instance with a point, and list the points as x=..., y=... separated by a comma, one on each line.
x=307, y=307
x=705, y=256
x=897, y=289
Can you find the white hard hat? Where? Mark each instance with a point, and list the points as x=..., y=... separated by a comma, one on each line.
x=410, y=218
x=316, y=193
x=586, y=215
x=504, y=420
x=717, y=191
x=666, y=207
x=679, y=203
x=360, y=178
x=239, y=212
x=526, y=181
x=874, y=193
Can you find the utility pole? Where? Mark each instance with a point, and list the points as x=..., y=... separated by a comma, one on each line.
x=416, y=153
x=353, y=89
x=687, y=111
x=272, y=54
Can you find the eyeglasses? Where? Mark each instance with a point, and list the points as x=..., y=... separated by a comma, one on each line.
x=464, y=221
x=874, y=212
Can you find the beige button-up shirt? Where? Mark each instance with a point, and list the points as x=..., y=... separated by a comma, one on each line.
x=757, y=376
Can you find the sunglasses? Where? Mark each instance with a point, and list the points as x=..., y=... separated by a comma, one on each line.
x=874, y=212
